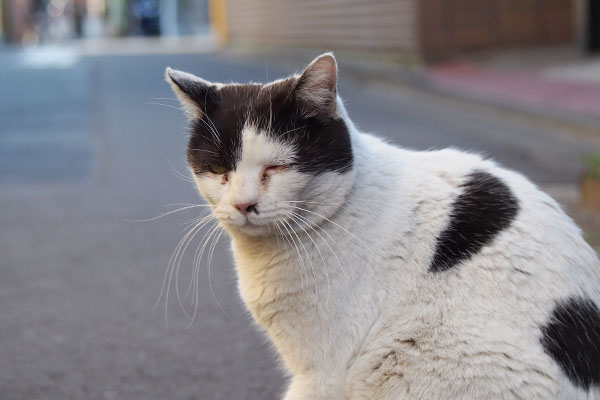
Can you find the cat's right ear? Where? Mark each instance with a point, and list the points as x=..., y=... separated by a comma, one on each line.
x=197, y=96
x=316, y=90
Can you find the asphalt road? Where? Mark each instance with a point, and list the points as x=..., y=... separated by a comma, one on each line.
x=83, y=150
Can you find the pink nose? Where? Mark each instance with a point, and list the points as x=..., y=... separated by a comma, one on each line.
x=245, y=208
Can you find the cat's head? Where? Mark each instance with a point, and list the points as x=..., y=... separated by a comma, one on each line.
x=268, y=157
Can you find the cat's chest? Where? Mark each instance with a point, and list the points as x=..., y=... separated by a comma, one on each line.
x=283, y=285
x=304, y=308
x=272, y=278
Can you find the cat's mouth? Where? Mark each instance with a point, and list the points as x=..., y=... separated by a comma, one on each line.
x=252, y=223
x=255, y=227
x=256, y=221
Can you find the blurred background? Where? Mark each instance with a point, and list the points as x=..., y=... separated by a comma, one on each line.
x=91, y=139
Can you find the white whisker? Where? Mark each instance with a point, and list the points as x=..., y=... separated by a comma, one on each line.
x=299, y=224
x=293, y=243
x=186, y=112
x=196, y=273
x=309, y=202
x=209, y=265
x=168, y=213
x=169, y=272
x=179, y=174
x=214, y=130
x=206, y=151
x=309, y=259
x=177, y=261
x=291, y=130
x=163, y=98
x=328, y=220
x=205, y=221
x=312, y=226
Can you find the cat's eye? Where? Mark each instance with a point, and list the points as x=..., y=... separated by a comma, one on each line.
x=217, y=169
x=271, y=169
x=276, y=168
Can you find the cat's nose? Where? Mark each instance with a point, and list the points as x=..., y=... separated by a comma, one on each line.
x=245, y=208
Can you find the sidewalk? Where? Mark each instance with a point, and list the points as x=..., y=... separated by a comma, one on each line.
x=567, y=90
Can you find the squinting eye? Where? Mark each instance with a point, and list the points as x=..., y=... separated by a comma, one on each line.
x=271, y=169
x=276, y=168
x=217, y=169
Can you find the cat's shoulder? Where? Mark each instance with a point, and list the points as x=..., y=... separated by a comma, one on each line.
x=451, y=161
x=455, y=167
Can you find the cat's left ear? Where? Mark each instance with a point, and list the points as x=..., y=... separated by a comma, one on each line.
x=197, y=96
x=316, y=90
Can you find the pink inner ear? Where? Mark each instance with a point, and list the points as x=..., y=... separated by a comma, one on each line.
x=317, y=86
x=322, y=74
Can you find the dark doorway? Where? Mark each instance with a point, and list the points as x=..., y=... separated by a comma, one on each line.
x=593, y=26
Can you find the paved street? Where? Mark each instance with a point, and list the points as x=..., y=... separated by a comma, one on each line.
x=84, y=149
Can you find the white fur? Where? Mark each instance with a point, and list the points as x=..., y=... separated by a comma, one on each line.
x=350, y=304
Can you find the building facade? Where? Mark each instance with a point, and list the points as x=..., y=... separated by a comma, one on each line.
x=426, y=30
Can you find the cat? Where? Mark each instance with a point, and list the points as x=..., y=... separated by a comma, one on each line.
x=384, y=273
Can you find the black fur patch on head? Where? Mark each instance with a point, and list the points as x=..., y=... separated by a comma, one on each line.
x=321, y=141
x=484, y=208
x=300, y=111
x=572, y=339
x=216, y=135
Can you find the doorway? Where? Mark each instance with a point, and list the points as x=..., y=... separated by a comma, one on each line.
x=593, y=26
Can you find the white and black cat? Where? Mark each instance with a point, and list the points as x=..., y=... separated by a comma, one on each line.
x=384, y=273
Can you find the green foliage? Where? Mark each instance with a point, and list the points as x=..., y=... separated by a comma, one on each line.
x=591, y=238
x=591, y=163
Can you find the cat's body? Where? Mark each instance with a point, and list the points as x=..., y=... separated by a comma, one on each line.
x=415, y=275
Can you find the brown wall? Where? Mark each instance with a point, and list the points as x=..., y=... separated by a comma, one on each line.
x=17, y=18
x=359, y=25
x=453, y=26
x=427, y=29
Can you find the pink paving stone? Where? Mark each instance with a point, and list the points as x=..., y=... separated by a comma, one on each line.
x=524, y=87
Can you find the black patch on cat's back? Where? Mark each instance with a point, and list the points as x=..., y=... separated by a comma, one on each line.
x=572, y=339
x=484, y=208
